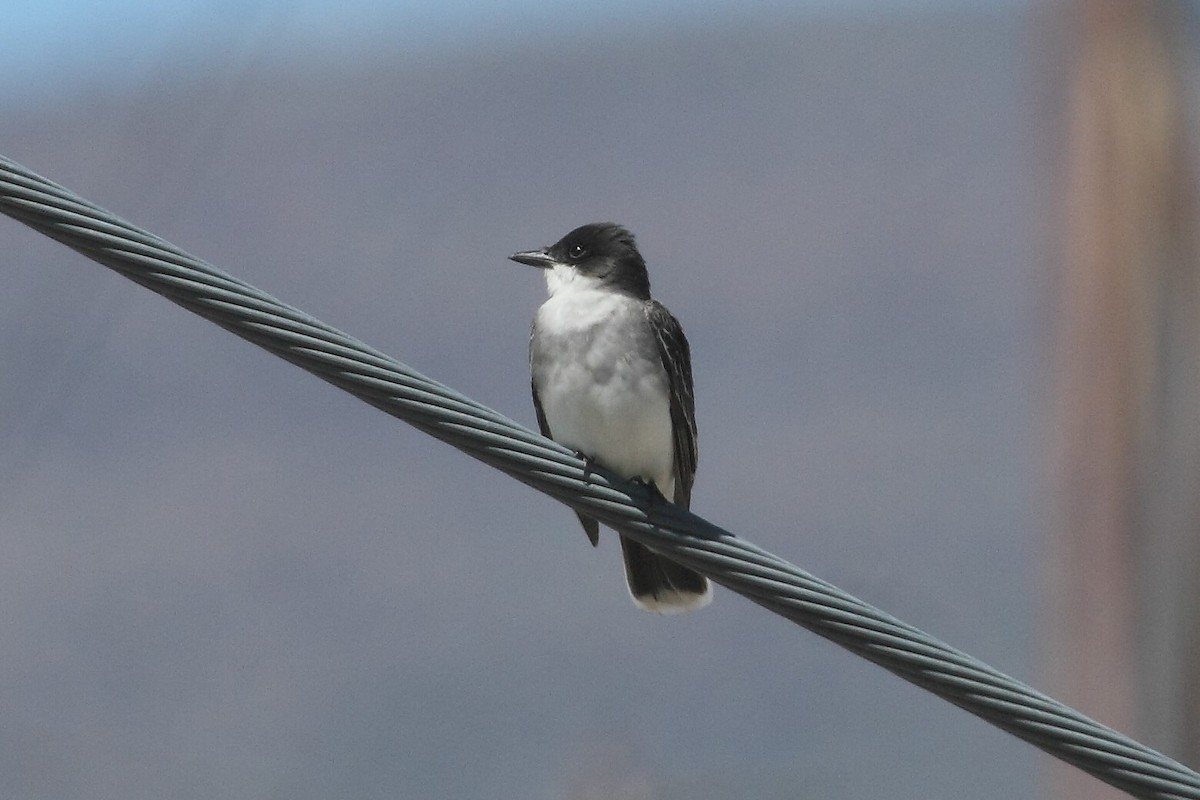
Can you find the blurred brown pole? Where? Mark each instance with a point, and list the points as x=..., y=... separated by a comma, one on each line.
x=1123, y=562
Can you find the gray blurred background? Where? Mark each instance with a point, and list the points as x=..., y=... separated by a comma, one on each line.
x=220, y=578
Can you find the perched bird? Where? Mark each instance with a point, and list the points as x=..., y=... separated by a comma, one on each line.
x=612, y=380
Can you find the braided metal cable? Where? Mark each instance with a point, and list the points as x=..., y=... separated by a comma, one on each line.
x=548, y=467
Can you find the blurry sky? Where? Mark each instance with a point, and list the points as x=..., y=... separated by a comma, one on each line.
x=66, y=42
x=222, y=578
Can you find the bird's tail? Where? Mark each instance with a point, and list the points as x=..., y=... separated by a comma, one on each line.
x=659, y=584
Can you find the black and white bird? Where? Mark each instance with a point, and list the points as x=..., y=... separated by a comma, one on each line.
x=612, y=380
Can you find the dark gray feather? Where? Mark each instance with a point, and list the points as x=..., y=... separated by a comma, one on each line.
x=676, y=357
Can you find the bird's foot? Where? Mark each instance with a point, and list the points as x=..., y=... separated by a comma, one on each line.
x=589, y=463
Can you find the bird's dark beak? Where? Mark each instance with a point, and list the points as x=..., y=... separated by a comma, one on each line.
x=534, y=258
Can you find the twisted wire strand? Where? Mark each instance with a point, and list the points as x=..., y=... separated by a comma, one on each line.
x=548, y=467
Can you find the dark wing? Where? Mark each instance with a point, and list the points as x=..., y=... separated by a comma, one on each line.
x=677, y=360
x=590, y=526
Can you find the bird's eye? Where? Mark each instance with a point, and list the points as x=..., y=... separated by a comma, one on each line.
x=576, y=252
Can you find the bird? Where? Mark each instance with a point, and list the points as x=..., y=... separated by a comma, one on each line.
x=611, y=375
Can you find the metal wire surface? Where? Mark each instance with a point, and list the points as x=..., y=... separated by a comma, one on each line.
x=548, y=467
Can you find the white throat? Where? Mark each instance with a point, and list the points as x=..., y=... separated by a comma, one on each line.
x=562, y=280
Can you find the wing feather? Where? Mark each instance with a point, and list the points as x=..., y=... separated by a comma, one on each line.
x=676, y=357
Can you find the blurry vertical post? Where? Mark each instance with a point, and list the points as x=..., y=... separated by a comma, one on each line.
x=1122, y=614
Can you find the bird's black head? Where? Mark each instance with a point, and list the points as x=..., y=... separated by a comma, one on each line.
x=601, y=253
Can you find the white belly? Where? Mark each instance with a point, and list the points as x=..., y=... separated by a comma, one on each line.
x=600, y=392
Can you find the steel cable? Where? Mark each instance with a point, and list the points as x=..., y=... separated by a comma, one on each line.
x=548, y=467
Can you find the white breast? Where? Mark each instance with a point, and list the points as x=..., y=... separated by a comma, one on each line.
x=601, y=382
